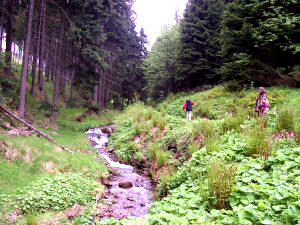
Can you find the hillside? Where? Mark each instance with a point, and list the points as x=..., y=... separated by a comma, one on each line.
x=39, y=181
x=226, y=166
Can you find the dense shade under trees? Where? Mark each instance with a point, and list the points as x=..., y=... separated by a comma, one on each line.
x=91, y=45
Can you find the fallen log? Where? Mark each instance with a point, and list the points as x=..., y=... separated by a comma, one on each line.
x=35, y=129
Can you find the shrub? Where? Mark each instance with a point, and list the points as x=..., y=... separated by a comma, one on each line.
x=220, y=182
x=286, y=119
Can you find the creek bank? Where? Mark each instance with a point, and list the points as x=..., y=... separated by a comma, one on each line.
x=128, y=190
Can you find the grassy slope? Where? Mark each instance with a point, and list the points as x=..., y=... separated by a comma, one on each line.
x=35, y=158
x=143, y=131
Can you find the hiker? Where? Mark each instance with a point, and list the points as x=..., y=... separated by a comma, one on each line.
x=262, y=102
x=188, y=106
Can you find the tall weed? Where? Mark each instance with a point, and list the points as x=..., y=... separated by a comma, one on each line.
x=148, y=113
x=155, y=152
x=220, y=182
x=196, y=130
x=31, y=219
x=211, y=145
x=234, y=121
x=286, y=119
x=159, y=121
x=163, y=180
x=155, y=119
x=208, y=129
x=138, y=128
x=193, y=147
x=258, y=141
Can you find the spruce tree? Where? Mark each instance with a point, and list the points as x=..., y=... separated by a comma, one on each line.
x=200, y=42
x=259, y=39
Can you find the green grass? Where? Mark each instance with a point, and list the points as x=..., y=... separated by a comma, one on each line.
x=36, y=153
x=216, y=102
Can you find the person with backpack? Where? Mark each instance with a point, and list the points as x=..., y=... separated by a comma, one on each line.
x=188, y=105
x=262, y=102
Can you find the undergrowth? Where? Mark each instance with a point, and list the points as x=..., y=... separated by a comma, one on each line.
x=227, y=166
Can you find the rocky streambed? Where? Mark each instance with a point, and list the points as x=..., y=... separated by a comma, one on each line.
x=128, y=191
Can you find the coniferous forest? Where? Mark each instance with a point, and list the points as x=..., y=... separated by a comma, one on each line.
x=93, y=126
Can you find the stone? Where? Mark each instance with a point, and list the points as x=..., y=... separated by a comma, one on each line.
x=130, y=199
x=125, y=184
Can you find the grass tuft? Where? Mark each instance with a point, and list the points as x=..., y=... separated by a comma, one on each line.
x=155, y=152
x=258, y=141
x=286, y=119
x=220, y=182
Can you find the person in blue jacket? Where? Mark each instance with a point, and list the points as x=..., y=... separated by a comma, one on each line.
x=188, y=105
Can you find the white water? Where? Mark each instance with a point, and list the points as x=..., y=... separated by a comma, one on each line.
x=134, y=201
x=101, y=139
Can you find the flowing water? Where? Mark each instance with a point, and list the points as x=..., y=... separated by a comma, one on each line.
x=128, y=192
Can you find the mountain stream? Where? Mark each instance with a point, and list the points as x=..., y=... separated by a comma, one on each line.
x=128, y=191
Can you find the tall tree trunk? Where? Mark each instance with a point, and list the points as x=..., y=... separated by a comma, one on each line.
x=53, y=58
x=34, y=63
x=63, y=85
x=42, y=44
x=1, y=37
x=64, y=56
x=48, y=59
x=2, y=26
x=101, y=91
x=95, y=94
x=72, y=77
x=9, y=33
x=13, y=55
x=95, y=88
x=35, y=53
x=58, y=69
x=25, y=60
